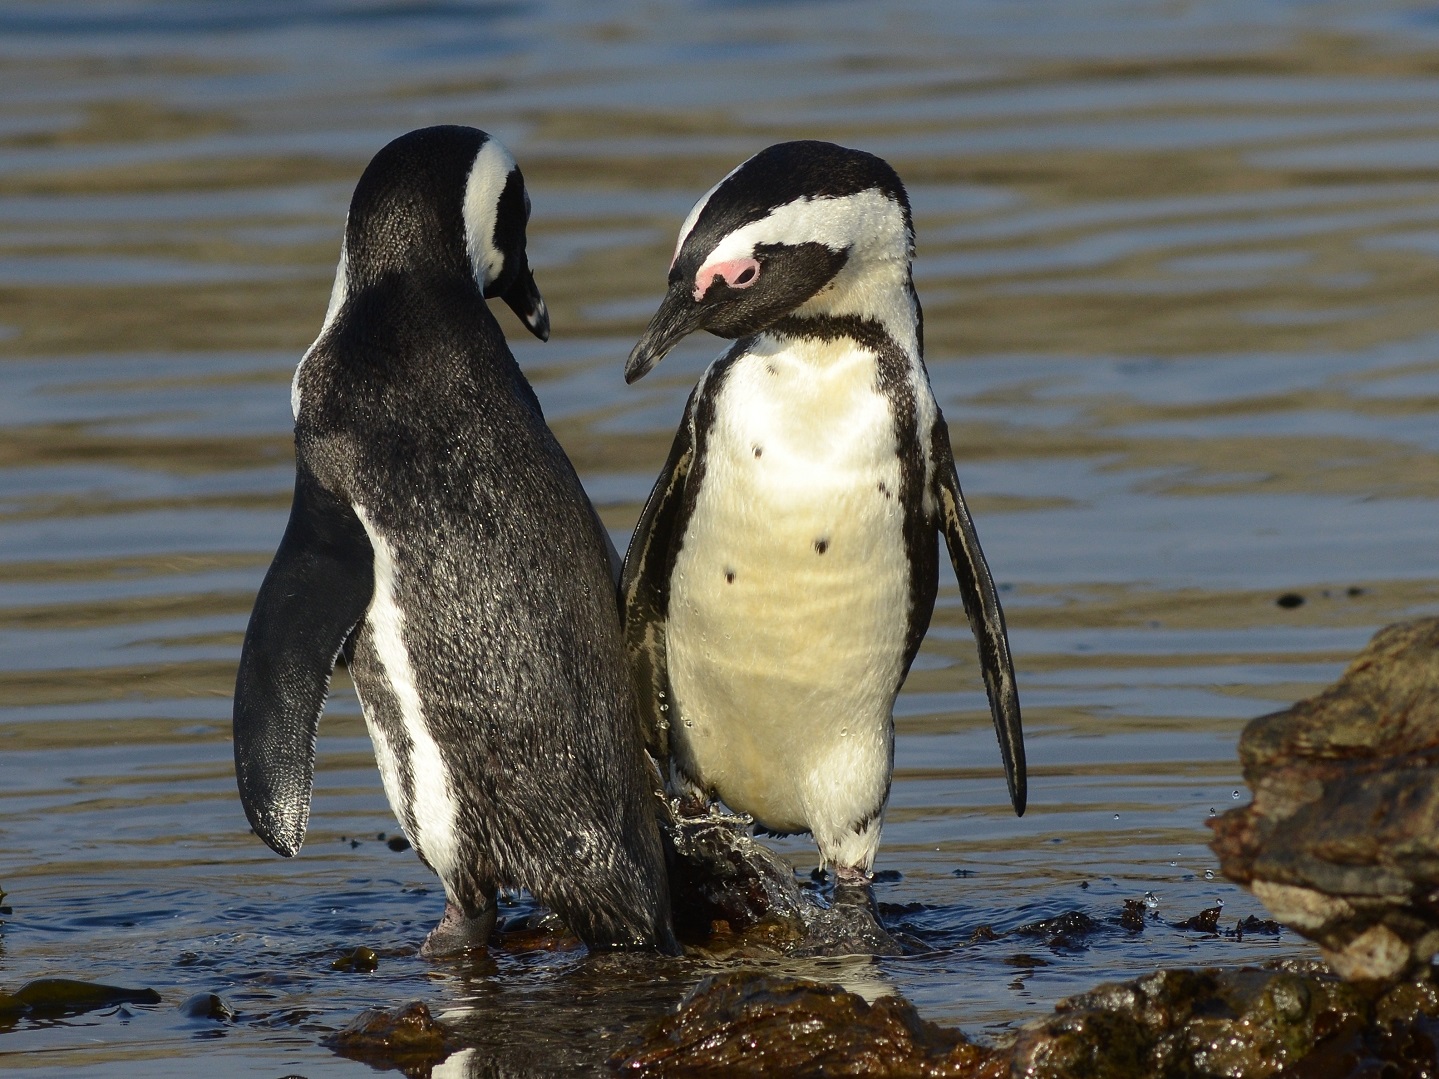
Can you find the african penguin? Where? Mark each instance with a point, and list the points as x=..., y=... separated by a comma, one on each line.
x=784, y=569
x=440, y=540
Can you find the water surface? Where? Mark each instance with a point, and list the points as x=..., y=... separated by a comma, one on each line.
x=1179, y=267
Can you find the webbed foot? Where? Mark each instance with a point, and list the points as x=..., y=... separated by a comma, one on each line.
x=459, y=932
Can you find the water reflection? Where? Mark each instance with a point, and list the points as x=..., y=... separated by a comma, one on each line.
x=1178, y=269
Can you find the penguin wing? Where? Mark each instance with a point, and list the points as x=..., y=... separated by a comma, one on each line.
x=986, y=617
x=645, y=587
x=316, y=591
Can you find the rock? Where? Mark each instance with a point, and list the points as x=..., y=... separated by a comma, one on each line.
x=66, y=996
x=209, y=1006
x=408, y=1039
x=735, y=896
x=751, y=1024
x=1294, y=1018
x=1341, y=840
x=360, y=960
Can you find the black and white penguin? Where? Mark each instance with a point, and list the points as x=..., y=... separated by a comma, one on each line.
x=784, y=570
x=440, y=540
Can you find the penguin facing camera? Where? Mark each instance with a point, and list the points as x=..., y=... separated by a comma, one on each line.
x=440, y=541
x=784, y=570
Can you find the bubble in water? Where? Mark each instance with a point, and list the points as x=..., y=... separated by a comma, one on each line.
x=1219, y=902
x=1116, y=816
x=1212, y=813
x=1209, y=874
x=1173, y=864
x=1151, y=901
x=1235, y=796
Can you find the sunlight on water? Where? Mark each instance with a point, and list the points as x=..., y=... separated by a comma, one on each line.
x=1178, y=265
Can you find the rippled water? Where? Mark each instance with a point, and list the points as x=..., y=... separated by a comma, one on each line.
x=1179, y=265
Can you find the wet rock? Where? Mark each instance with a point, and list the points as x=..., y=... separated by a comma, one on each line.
x=1295, y=1018
x=754, y=1024
x=731, y=894
x=1133, y=916
x=207, y=1006
x=1067, y=932
x=1206, y=921
x=64, y=996
x=360, y=960
x=1341, y=841
x=408, y=1038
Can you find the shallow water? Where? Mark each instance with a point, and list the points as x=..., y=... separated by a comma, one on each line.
x=1179, y=272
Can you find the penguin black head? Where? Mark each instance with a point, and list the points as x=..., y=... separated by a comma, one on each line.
x=449, y=201
x=801, y=227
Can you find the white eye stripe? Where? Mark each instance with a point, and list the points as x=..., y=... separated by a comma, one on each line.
x=486, y=182
x=865, y=220
x=694, y=214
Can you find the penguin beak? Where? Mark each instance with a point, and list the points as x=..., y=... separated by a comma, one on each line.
x=525, y=300
x=678, y=317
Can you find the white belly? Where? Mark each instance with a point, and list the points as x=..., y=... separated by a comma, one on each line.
x=789, y=599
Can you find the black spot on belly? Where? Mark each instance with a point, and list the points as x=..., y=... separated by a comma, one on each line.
x=771, y=368
x=759, y=451
x=884, y=490
x=729, y=575
x=821, y=545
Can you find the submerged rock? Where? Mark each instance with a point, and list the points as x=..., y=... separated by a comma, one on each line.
x=66, y=996
x=1341, y=841
x=754, y=1024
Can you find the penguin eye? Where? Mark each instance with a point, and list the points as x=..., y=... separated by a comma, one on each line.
x=745, y=276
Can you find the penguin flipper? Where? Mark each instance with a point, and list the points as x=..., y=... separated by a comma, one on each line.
x=986, y=617
x=317, y=589
x=644, y=590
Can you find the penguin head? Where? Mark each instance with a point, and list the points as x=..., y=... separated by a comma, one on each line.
x=449, y=201
x=802, y=228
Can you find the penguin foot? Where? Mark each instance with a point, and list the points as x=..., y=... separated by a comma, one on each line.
x=850, y=925
x=459, y=933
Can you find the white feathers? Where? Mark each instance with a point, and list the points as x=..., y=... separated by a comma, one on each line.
x=789, y=598
x=338, y=291
x=433, y=810
x=869, y=224
x=488, y=175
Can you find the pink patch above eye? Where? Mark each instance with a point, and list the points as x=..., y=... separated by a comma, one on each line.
x=736, y=273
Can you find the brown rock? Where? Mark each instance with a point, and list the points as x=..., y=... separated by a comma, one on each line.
x=754, y=1024
x=408, y=1039
x=1294, y=1019
x=1341, y=841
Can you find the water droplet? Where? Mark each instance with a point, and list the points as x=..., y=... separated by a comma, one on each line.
x=689, y=723
x=1173, y=864
x=1219, y=902
x=664, y=708
x=844, y=732
x=1212, y=813
x=1235, y=796
x=1209, y=874
x=1151, y=901
x=1116, y=816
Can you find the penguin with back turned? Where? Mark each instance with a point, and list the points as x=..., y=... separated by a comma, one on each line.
x=440, y=540
x=784, y=570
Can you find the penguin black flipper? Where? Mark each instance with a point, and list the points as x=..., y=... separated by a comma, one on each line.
x=644, y=588
x=986, y=617
x=315, y=592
